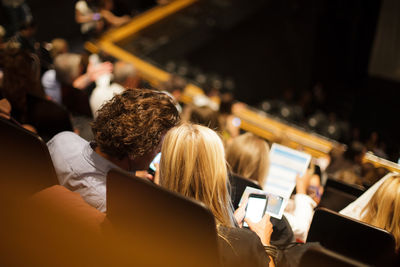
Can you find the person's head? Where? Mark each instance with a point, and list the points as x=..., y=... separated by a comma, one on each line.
x=175, y=86
x=67, y=67
x=27, y=29
x=383, y=210
x=193, y=164
x=206, y=116
x=21, y=76
x=58, y=46
x=132, y=125
x=248, y=156
x=355, y=152
x=123, y=72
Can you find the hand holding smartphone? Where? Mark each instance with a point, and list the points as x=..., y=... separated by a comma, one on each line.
x=256, y=207
x=152, y=167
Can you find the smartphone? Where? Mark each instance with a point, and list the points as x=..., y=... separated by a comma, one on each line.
x=152, y=167
x=256, y=207
x=275, y=206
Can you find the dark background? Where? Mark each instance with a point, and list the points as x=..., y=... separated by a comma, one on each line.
x=281, y=46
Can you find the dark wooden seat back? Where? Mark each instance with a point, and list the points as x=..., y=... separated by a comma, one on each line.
x=25, y=162
x=337, y=194
x=159, y=227
x=352, y=238
x=319, y=256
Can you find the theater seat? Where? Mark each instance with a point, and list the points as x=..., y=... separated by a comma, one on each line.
x=337, y=194
x=155, y=227
x=352, y=238
x=25, y=162
x=55, y=227
x=318, y=256
x=282, y=233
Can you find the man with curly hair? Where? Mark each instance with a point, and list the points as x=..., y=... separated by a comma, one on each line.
x=128, y=133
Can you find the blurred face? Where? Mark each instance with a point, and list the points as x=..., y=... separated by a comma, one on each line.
x=315, y=189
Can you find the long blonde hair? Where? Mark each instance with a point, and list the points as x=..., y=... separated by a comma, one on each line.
x=193, y=164
x=248, y=156
x=383, y=210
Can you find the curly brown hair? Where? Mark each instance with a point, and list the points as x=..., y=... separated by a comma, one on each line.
x=132, y=124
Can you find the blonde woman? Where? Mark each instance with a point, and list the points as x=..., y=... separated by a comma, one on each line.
x=383, y=210
x=247, y=155
x=193, y=165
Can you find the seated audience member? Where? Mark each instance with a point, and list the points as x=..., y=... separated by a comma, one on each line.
x=24, y=38
x=58, y=46
x=193, y=165
x=124, y=77
x=15, y=13
x=87, y=14
x=203, y=115
x=21, y=87
x=383, y=210
x=49, y=80
x=230, y=124
x=248, y=156
x=109, y=16
x=5, y=113
x=174, y=87
x=127, y=134
x=300, y=210
x=347, y=166
x=357, y=207
x=372, y=174
x=72, y=79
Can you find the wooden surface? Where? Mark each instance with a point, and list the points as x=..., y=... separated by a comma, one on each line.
x=379, y=162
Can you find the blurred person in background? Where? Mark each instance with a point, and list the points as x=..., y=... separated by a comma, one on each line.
x=204, y=115
x=58, y=46
x=108, y=13
x=21, y=87
x=16, y=12
x=174, y=87
x=51, y=85
x=124, y=76
x=87, y=14
x=248, y=156
x=75, y=76
x=300, y=209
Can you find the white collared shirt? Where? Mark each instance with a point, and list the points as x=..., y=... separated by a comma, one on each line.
x=79, y=168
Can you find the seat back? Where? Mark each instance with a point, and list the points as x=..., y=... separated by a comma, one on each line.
x=238, y=185
x=50, y=118
x=158, y=227
x=352, y=189
x=352, y=238
x=337, y=194
x=25, y=162
x=319, y=256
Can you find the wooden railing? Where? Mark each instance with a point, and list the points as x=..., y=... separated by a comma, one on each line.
x=380, y=162
x=251, y=120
